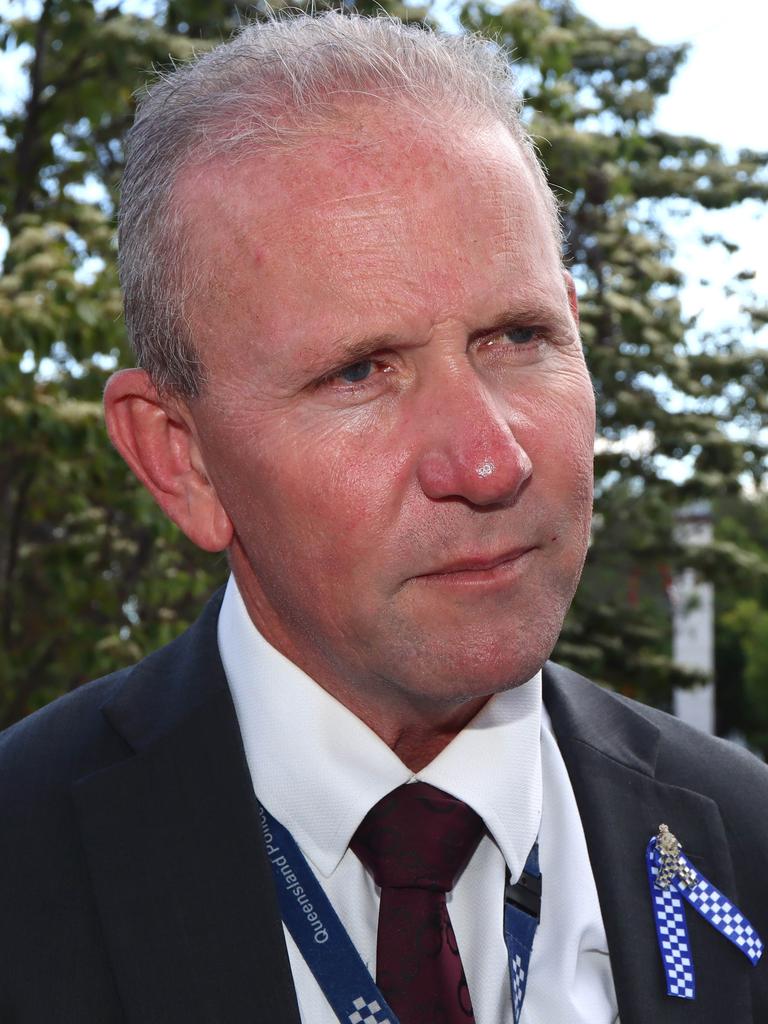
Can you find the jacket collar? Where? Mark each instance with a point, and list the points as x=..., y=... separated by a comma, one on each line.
x=613, y=749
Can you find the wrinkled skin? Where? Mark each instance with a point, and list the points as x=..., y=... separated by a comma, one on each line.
x=397, y=399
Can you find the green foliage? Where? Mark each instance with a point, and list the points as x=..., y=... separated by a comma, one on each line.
x=747, y=621
x=91, y=575
x=742, y=621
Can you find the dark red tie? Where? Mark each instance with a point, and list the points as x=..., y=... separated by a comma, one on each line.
x=415, y=842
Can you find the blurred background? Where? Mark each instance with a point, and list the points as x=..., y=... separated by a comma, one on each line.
x=651, y=121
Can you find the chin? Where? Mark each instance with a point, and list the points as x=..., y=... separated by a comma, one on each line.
x=457, y=672
x=477, y=643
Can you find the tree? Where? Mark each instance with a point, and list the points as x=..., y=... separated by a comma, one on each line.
x=83, y=552
x=91, y=575
x=741, y=652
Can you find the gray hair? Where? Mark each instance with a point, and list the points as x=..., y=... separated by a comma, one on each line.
x=275, y=83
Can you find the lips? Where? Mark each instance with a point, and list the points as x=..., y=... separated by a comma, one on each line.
x=478, y=564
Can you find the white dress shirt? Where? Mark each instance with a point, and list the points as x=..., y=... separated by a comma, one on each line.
x=318, y=769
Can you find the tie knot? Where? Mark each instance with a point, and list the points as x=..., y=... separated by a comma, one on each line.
x=417, y=837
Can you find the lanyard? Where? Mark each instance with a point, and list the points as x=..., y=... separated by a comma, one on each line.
x=330, y=954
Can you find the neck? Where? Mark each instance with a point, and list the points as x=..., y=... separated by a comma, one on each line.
x=418, y=744
x=416, y=729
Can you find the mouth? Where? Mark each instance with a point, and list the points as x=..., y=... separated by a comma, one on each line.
x=479, y=569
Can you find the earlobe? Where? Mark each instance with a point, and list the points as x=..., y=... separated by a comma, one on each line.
x=573, y=301
x=156, y=437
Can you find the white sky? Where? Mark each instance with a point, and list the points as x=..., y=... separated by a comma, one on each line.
x=721, y=92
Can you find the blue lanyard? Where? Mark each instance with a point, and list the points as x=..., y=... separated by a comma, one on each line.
x=330, y=954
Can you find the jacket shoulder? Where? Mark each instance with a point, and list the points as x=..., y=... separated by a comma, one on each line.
x=733, y=777
x=684, y=756
x=63, y=740
x=73, y=736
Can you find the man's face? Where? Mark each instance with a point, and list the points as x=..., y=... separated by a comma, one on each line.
x=399, y=421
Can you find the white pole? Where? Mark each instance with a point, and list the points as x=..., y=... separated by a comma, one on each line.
x=693, y=617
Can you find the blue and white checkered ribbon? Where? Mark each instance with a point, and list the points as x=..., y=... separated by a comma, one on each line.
x=669, y=914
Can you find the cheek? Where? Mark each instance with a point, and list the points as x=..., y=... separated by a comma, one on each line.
x=560, y=442
x=323, y=492
x=556, y=426
x=578, y=436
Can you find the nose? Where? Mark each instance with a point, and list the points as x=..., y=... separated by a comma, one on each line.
x=470, y=450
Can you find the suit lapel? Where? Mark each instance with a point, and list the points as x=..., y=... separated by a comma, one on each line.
x=175, y=852
x=611, y=752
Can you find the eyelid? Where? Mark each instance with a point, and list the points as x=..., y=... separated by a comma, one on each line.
x=538, y=334
x=334, y=375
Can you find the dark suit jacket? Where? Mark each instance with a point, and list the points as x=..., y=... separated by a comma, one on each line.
x=134, y=886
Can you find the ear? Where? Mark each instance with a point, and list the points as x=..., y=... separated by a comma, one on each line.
x=573, y=301
x=156, y=437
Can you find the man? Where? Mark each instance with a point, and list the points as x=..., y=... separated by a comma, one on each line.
x=360, y=376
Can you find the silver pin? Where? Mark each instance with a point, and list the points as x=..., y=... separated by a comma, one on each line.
x=670, y=851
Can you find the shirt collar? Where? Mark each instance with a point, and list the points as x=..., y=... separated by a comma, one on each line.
x=307, y=752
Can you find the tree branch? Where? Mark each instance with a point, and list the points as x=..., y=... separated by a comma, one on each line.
x=26, y=173
x=18, y=706
x=12, y=554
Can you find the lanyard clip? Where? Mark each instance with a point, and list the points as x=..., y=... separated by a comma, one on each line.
x=525, y=894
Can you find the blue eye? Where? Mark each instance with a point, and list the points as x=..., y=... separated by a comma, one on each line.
x=521, y=334
x=356, y=372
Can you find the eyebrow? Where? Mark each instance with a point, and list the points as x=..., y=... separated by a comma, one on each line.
x=345, y=351
x=530, y=315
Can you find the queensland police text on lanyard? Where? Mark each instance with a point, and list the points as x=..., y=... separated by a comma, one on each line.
x=328, y=950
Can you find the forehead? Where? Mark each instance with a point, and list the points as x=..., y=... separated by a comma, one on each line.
x=391, y=220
